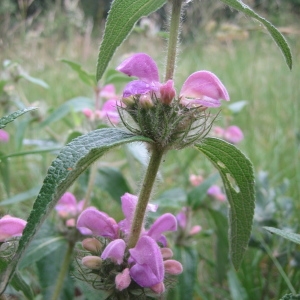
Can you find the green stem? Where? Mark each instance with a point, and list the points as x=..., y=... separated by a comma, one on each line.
x=173, y=38
x=90, y=186
x=144, y=196
x=63, y=271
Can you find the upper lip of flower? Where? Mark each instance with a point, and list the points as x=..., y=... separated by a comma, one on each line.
x=201, y=88
x=11, y=227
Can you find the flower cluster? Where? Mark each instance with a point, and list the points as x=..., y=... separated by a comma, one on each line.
x=170, y=120
x=109, y=111
x=144, y=266
x=215, y=192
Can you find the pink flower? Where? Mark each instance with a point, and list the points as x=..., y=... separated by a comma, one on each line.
x=195, y=180
x=109, y=111
x=67, y=206
x=202, y=88
x=183, y=220
x=216, y=192
x=11, y=227
x=4, y=136
x=108, y=92
x=233, y=134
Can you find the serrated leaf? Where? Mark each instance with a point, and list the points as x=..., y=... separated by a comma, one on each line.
x=275, y=34
x=121, y=18
x=73, y=159
x=85, y=77
x=75, y=104
x=21, y=285
x=11, y=117
x=238, y=179
x=291, y=236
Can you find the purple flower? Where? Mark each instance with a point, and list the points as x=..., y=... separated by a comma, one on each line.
x=99, y=223
x=4, y=136
x=11, y=227
x=233, y=134
x=202, y=88
x=67, y=206
x=148, y=268
x=115, y=251
x=109, y=111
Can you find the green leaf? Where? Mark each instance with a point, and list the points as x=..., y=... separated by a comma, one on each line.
x=184, y=289
x=21, y=285
x=238, y=179
x=290, y=297
x=11, y=117
x=21, y=197
x=73, y=159
x=222, y=247
x=291, y=236
x=34, y=80
x=76, y=104
x=29, y=152
x=119, y=187
x=5, y=173
x=121, y=18
x=276, y=35
x=237, y=291
x=85, y=77
x=113, y=76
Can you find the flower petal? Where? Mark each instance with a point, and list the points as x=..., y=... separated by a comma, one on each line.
x=148, y=269
x=203, y=88
x=166, y=222
x=138, y=87
x=141, y=66
x=67, y=206
x=233, y=134
x=115, y=251
x=110, y=111
x=11, y=227
x=98, y=222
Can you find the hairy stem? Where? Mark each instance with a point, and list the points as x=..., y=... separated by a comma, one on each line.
x=91, y=183
x=63, y=271
x=144, y=196
x=173, y=38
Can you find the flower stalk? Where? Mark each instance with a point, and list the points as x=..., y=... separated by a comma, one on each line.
x=144, y=196
x=173, y=38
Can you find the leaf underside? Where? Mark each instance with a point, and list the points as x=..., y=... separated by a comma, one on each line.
x=237, y=174
x=121, y=18
x=11, y=117
x=73, y=159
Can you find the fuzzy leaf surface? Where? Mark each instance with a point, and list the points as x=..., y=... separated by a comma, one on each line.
x=121, y=18
x=291, y=236
x=275, y=34
x=237, y=174
x=73, y=159
x=11, y=117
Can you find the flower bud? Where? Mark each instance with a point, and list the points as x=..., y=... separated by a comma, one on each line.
x=173, y=267
x=146, y=101
x=123, y=280
x=128, y=101
x=88, y=113
x=158, y=288
x=167, y=92
x=166, y=253
x=92, y=245
x=195, y=229
x=92, y=262
x=4, y=136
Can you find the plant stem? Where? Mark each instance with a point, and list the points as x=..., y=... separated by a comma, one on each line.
x=144, y=196
x=63, y=271
x=90, y=186
x=173, y=38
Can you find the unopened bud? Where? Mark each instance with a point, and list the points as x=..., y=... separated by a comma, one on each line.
x=88, y=113
x=173, y=267
x=146, y=101
x=195, y=229
x=128, y=100
x=158, y=288
x=92, y=262
x=92, y=245
x=167, y=92
x=123, y=280
x=166, y=253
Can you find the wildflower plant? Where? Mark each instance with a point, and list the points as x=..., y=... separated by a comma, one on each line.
x=125, y=256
